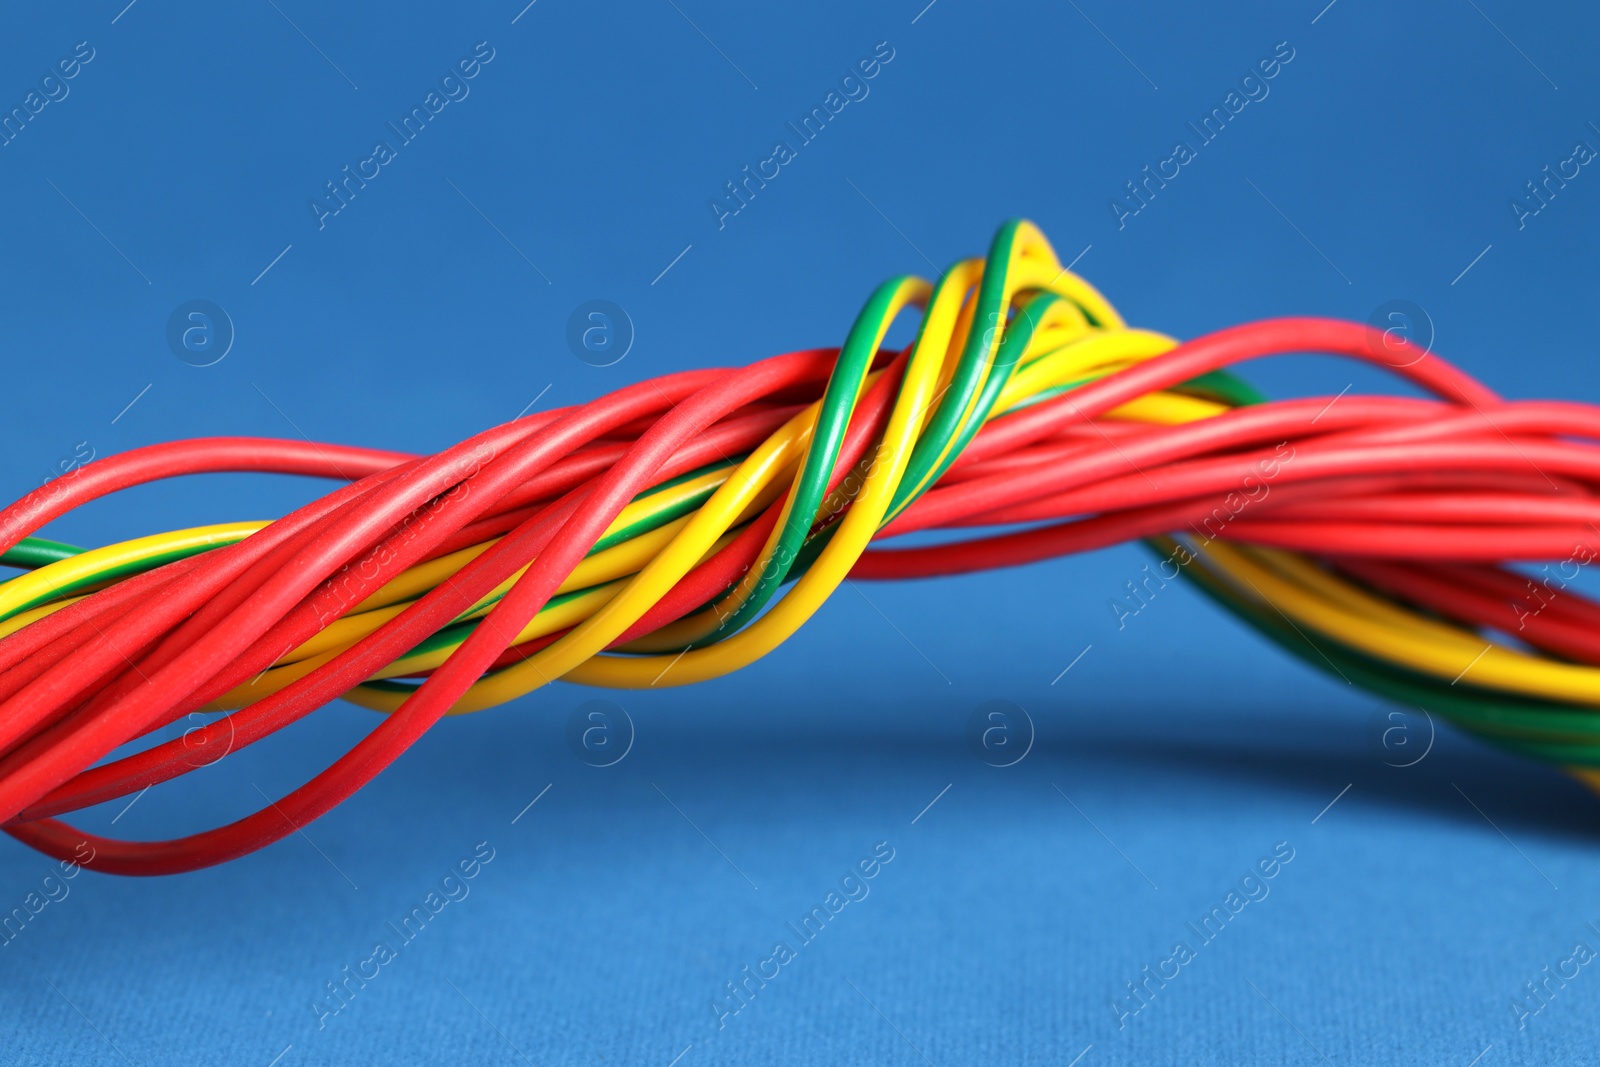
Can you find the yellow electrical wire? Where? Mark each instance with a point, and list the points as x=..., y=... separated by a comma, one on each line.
x=1076, y=337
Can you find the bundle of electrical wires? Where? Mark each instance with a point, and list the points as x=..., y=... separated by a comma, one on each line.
x=682, y=527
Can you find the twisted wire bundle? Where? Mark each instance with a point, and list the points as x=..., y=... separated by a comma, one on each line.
x=682, y=527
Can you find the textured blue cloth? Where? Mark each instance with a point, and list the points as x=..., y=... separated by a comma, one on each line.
x=706, y=898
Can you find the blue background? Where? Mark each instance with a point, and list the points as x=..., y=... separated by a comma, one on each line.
x=1173, y=754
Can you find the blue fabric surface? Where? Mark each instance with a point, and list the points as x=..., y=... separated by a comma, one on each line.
x=496, y=898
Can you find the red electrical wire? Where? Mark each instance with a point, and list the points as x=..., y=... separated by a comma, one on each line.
x=1418, y=498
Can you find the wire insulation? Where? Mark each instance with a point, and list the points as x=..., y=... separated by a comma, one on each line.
x=680, y=528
